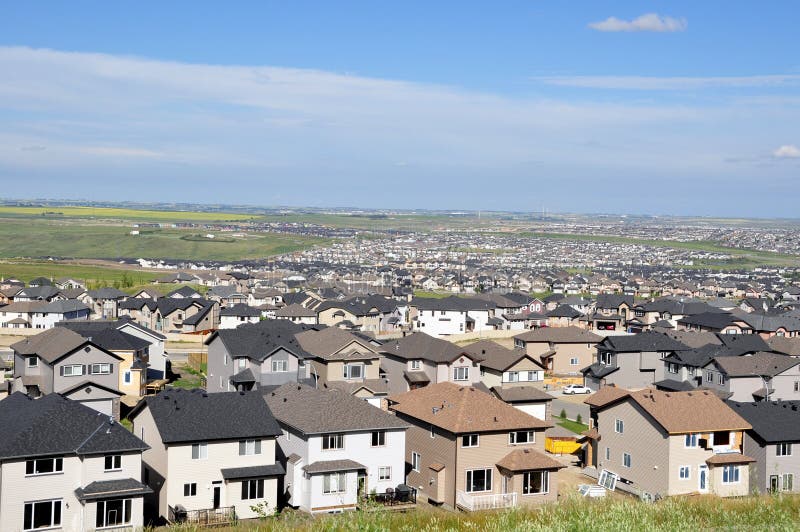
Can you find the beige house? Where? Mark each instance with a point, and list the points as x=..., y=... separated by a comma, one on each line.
x=562, y=350
x=469, y=450
x=212, y=456
x=668, y=443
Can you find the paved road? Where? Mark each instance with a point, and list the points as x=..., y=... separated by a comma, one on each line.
x=572, y=409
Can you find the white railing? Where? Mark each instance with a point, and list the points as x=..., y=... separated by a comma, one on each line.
x=493, y=501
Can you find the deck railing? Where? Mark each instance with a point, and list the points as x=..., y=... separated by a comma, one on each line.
x=394, y=498
x=492, y=501
x=202, y=517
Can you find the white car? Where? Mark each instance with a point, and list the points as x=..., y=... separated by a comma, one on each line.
x=571, y=389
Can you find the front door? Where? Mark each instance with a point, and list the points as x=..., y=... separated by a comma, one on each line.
x=362, y=484
x=773, y=483
x=217, y=496
x=703, y=478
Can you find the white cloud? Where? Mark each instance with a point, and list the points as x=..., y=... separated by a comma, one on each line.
x=671, y=83
x=787, y=151
x=648, y=22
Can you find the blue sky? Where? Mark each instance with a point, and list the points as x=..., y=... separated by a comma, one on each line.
x=631, y=107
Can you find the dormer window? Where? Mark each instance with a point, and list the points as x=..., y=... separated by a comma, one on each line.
x=416, y=365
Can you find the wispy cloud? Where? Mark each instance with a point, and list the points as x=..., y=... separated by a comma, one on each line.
x=673, y=83
x=648, y=22
x=787, y=151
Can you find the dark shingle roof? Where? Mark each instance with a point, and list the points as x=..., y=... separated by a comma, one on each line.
x=645, y=341
x=772, y=421
x=454, y=303
x=761, y=363
x=521, y=394
x=240, y=309
x=234, y=473
x=259, y=340
x=186, y=416
x=54, y=425
x=330, y=466
x=425, y=347
x=106, y=335
x=101, y=489
x=560, y=335
x=495, y=356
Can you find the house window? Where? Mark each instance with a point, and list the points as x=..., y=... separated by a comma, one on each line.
x=469, y=440
x=619, y=426
x=479, y=480
x=280, y=366
x=461, y=374
x=626, y=460
x=385, y=473
x=127, y=377
x=353, y=371
x=190, y=490
x=100, y=369
x=720, y=379
x=521, y=436
x=685, y=472
x=241, y=362
x=532, y=376
x=74, y=370
x=253, y=489
x=416, y=458
x=605, y=358
x=710, y=377
x=512, y=376
x=42, y=514
x=199, y=451
x=378, y=438
x=730, y=474
x=787, y=482
x=797, y=386
x=784, y=449
x=249, y=447
x=672, y=367
x=608, y=453
x=535, y=482
x=332, y=441
x=112, y=462
x=44, y=466
x=690, y=440
x=416, y=365
x=573, y=361
x=32, y=362
x=334, y=483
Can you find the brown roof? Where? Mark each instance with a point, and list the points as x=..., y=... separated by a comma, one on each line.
x=591, y=434
x=436, y=466
x=560, y=335
x=526, y=460
x=463, y=409
x=497, y=357
x=786, y=345
x=605, y=396
x=697, y=411
x=757, y=364
x=729, y=458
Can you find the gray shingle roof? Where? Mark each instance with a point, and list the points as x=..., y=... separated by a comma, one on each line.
x=240, y=309
x=234, y=473
x=560, y=335
x=330, y=466
x=772, y=421
x=425, y=347
x=101, y=489
x=51, y=344
x=495, y=356
x=188, y=416
x=259, y=340
x=645, y=341
x=54, y=425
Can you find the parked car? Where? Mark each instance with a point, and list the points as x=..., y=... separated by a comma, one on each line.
x=571, y=389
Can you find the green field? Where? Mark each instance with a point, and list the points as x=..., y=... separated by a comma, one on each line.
x=122, y=214
x=54, y=270
x=36, y=239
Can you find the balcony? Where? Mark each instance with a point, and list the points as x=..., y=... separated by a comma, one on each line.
x=493, y=501
x=203, y=517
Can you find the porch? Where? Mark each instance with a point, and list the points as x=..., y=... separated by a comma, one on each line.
x=203, y=517
x=492, y=501
x=401, y=498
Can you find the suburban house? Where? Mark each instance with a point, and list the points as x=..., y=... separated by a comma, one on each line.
x=104, y=301
x=667, y=443
x=561, y=350
x=772, y=442
x=65, y=466
x=611, y=312
x=469, y=450
x=452, y=315
x=255, y=355
x=59, y=360
x=373, y=313
x=19, y=314
x=238, y=314
x=634, y=361
x=211, y=457
x=565, y=316
x=337, y=448
x=345, y=361
x=418, y=359
x=47, y=316
x=170, y=314
x=297, y=313
x=759, y=376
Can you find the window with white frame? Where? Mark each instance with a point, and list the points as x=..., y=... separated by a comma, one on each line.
x=573, y=361
x=385, y=473
x=44, y=466
x=100, y=369
x=684, y=473
x=241, y=362
x=730, y=474
x=113, y=513
x=469, y=440
x=334, y=483
x=535, y=482
x=249, y=447
x=787, y=482
x=378, y=438
x=416, y=459
x=608, y=453
x=533, y=376
x=332, y=441
x=720, y=379
x=619, y=426
x=32, y=362
x=353, y=371
x=710, y=377
x=112, y=462
x=690, y=441
x=672, y=367
x=42, y=514
x=461, y=373
x=190, y=490
x=73, y=370
x=605, y=358
x=253, y=489
x=479, y=480
x=521, y=436
x=199, y=451
x=797, y=386
x=626, y=460
x=512, y=376
x=783, y=449
x=416, y=365
x=280, y=366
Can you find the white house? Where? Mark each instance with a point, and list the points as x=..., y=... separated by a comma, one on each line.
x=452, y=315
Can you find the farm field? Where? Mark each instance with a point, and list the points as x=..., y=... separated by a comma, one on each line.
x=121, y=214
x=26, y=271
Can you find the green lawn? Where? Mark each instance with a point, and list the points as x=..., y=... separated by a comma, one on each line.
x=123, y=214
x=53, y=270
x=573, y=426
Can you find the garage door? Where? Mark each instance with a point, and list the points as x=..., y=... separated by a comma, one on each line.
x=536, y=410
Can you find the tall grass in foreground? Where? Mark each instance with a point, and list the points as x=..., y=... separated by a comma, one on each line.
x=774, y=513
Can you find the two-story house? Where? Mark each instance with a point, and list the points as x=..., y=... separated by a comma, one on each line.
x=469, y=450
x=238, y=314
x=774, y=443
x=668, y=443
x=368, y=314
x=256, y=355
x=562, y=350
x=419, y=359
x=211, y=457
x=65, y=466
x=757, y=376
x=451, y=315
x=336, y=448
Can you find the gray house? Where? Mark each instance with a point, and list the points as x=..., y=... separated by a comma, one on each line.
x=772, y=441
x=754, y=377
